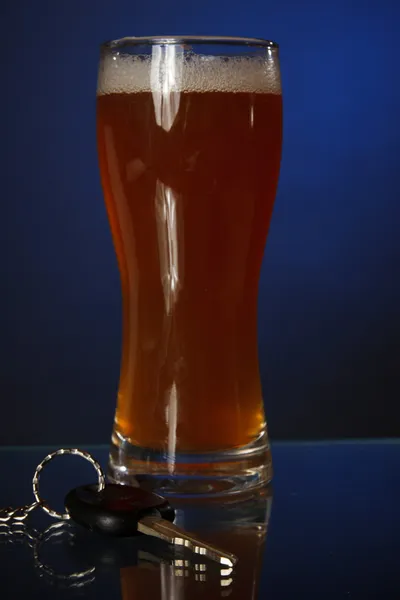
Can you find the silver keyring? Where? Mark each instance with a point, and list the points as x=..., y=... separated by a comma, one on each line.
x=35, y=482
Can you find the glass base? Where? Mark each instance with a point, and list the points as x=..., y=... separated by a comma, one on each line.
x=208, y=474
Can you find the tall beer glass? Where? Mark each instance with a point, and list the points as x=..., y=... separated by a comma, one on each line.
x=189, y=140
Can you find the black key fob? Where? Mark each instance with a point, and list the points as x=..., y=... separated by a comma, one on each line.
x=116, y=509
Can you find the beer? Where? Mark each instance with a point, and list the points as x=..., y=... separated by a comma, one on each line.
x=189, y=163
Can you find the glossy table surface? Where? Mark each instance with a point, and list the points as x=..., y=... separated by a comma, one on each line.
x=331, y=530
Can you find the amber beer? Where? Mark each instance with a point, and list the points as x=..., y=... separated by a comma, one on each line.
x=189, y=170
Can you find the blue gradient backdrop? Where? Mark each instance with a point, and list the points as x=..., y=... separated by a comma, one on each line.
x=329, y=326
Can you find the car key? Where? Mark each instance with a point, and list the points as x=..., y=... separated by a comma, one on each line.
x=115, y=510
x=120, y=510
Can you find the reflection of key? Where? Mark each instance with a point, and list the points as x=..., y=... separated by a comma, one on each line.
x=120, y=510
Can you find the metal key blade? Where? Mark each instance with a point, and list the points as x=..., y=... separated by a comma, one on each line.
x=164, y=530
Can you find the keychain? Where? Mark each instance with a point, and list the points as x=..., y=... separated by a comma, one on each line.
x=116, y=510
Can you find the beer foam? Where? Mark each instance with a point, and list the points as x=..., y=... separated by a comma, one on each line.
x=168, y=71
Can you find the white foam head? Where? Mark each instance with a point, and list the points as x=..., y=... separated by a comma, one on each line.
x=168, y=69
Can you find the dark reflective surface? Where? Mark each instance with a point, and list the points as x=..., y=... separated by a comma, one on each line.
x=333, y=532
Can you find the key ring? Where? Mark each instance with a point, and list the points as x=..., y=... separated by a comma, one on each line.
x=35, y=482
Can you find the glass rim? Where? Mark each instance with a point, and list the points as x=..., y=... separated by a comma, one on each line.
x=171, y=40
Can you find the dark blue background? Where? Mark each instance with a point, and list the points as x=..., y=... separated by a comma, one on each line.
x=329, y=325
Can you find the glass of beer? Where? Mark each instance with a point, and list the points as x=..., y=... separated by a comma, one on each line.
x=189, y=136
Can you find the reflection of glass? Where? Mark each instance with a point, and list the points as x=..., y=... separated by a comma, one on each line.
x=189, y=139
x=238, y=527
x=70, y=557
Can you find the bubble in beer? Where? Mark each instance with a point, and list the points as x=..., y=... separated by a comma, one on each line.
x=170, y=71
